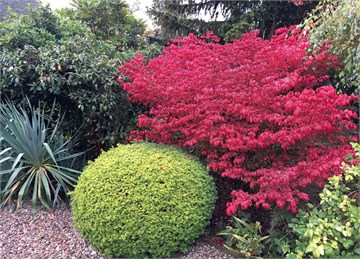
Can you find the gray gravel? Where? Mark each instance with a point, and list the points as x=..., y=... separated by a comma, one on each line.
x=50, y=234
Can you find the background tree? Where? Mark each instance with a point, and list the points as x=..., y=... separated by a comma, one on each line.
x=110, y=20
x=338, y=21
x=18, y=6
x=179, y=17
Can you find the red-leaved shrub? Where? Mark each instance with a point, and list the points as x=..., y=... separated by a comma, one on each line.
x=254, y=108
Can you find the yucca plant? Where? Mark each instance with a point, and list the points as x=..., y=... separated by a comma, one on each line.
x=33, y=157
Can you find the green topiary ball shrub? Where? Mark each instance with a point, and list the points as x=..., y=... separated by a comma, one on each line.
x=143, y=200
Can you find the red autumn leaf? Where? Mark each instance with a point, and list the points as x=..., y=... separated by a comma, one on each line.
x=257, y=110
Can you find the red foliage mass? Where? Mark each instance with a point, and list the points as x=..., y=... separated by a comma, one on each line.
x=254, y=108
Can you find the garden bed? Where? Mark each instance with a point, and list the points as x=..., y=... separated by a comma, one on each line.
x=50, y=234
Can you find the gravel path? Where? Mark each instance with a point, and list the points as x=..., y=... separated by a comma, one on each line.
x=50, y=234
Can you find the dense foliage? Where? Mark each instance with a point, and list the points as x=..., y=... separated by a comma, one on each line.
x=110, y=20
x=256, y=109
x=329, y=228
x=228, y=19
x=51, y=56
x=338, y=21
x=34, y=157
x=332, y=228
x=143, y=200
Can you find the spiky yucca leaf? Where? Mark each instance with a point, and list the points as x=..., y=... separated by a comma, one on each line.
x=33, y=157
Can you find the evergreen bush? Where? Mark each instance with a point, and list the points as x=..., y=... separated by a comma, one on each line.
x=143, y=200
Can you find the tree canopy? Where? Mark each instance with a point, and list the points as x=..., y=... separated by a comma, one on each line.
x=110, y=20
x=229, y=19
x=19, y=6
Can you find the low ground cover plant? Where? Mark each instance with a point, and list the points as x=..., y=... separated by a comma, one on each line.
x=257, y=110
x=142, y=200
x=332, y=228
x=243, y=238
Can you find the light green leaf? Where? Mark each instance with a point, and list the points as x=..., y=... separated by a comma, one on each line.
x=319, y=251
x=311, y=247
